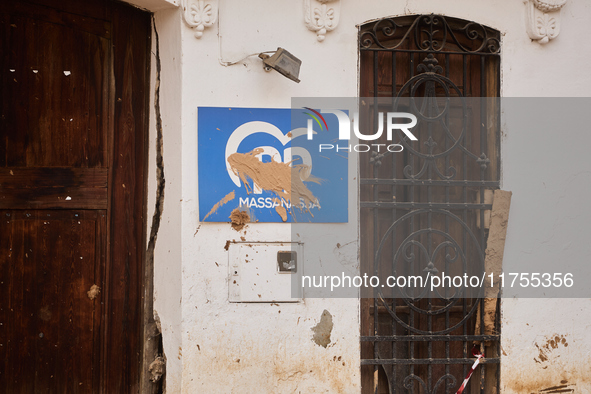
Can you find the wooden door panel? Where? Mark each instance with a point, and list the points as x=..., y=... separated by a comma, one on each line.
x=49, y=260
x=127, y=233
x=55, y=95
x=53, y=188
x=74, y=90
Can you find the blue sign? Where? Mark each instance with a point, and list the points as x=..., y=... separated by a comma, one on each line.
x=263, y=161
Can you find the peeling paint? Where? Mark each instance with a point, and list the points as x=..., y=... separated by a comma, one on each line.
x=323, y=329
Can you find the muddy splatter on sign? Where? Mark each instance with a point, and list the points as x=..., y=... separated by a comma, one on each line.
x=264, y=160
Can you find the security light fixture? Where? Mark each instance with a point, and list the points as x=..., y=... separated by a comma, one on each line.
x=283, y=62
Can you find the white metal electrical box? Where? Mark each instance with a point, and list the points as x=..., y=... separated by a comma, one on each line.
x=263, y=272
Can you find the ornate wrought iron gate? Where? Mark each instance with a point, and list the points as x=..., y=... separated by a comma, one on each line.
x=423, y=211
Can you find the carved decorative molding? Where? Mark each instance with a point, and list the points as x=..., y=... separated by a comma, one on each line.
x=199, y=14
x=321, y=16
x=543, y=19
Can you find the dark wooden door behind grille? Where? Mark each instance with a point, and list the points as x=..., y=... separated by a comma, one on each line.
x=73, y=125
x=423, y=345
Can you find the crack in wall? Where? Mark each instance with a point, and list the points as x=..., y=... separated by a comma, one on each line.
x=159, y=207
x=153, y=380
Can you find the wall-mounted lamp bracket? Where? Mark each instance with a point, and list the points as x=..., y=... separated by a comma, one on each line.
x=284, y=63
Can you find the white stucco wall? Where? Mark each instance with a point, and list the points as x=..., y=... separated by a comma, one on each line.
x=263, y=348
x=214, y=346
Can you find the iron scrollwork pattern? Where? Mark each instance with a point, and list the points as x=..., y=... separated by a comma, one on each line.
x=427, y=205
x=430, y=33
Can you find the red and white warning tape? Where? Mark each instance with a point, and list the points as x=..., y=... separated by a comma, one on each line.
x=478, y=356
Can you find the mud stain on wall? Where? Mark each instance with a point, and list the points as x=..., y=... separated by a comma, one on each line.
x=271, y=366
x=229, y=197
x=239, y=219
x=554, y=371
x=545, y=349
x=533, y=388
x=563, y=388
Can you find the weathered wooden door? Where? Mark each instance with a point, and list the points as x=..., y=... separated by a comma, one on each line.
x=73, y=125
